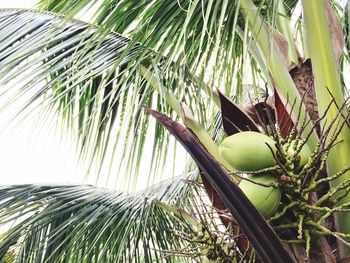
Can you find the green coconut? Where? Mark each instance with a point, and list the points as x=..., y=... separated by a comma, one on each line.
x=248, y=151
x=252, y=151
x=265, y=199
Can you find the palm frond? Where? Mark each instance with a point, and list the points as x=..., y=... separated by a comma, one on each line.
x=199, y=34
x=93, y=74
x=81, y=223
x=192, y=33
x=89, y=76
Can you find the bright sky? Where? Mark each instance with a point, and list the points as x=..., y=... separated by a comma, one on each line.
x=33, y=152
x=32, y=155
x=17, y=3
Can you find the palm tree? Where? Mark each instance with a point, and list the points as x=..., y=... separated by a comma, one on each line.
x=170, y=56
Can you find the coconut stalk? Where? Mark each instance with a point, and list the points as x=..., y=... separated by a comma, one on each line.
x=328, y=87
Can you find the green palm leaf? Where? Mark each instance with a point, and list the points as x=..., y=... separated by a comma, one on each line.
x=91, y=78
x=200, y=34
x=81, y=223
x=91, y=75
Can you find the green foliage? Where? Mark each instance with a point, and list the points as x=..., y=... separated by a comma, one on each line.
x=81, y=223
x=90, y=74
x=92, y=80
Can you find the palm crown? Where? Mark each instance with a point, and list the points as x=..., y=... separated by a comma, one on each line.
x=190, y=61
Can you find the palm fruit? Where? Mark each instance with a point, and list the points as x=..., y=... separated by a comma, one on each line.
x=248, y=151
x=265, y=199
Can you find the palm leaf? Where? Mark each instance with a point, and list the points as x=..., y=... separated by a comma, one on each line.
x=200, y=34
x=91, y=78
x=81, y=223
x=93, y=74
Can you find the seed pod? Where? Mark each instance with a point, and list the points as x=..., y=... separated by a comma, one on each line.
x=265, y=199
x=248, y=151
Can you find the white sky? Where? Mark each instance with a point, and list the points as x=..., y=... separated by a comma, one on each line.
x=33, y=152
x=32, y=155
x=17, y=3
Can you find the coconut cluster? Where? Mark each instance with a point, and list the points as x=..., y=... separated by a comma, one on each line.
x=252, y=152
